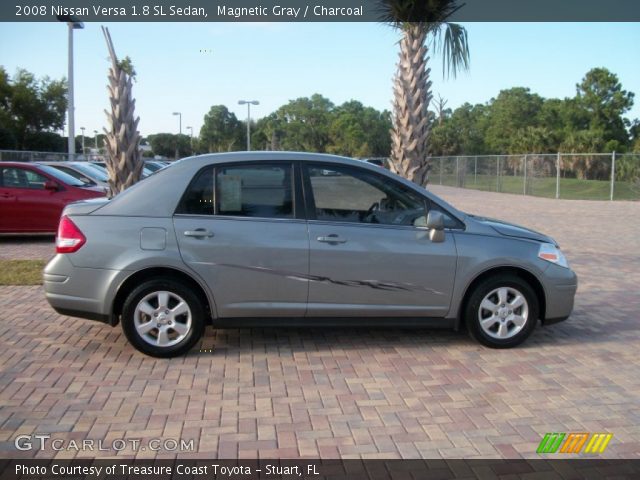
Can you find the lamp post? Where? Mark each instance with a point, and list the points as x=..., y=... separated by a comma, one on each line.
x=73, y=23
x=95, y=132
x=83, y=129
x=248, y=103
x=179, y=132
x=180, y=124
x=191, y=138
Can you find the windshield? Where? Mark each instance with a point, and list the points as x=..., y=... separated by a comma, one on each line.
x=152, y=166
x=92, y=171
x=63, y=177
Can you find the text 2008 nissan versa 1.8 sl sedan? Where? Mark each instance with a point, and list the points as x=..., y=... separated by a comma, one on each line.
x=275, y=238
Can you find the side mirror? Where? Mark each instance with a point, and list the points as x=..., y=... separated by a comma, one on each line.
x=435, y=224
x=51, y=186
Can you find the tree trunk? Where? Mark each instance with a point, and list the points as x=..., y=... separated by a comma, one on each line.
x=412, y=95
x=122, y=140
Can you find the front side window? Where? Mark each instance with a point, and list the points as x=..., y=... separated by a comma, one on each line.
x=344, y=194
x=22, y=178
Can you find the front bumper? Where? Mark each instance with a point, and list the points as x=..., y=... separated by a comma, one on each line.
x=560, y=286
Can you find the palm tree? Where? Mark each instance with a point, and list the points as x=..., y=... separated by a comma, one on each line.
x=122, y=140
x=420, y=21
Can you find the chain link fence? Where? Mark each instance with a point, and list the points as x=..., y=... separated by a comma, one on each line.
x=28, y=156
x=579, y=176
x=584, y=176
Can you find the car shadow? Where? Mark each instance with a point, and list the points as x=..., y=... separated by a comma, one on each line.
x=32, y=238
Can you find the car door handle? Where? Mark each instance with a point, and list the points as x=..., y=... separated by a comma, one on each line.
x=198, y=233
x=333, y=238
x=6, y=195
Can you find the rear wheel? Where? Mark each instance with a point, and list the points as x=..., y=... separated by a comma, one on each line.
x=502, y=311
x=162, y=318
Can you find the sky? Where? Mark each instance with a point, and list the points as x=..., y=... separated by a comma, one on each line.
x=189, y=67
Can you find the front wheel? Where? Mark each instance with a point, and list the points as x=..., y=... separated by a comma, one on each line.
x=162, y=318
x=502, y=311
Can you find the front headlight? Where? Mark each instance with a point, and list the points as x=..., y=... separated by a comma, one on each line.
x=552, y=254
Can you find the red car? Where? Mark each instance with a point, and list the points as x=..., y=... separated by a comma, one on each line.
x=32, y=196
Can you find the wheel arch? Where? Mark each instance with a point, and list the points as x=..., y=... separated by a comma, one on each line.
x=524, y=274
x=145, y=274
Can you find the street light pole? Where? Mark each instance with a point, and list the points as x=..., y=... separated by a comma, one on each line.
x=72, y=24
x=180, y=124
x=82, y=128
x=95, y=132
x=180, y=133
x=248, y=103
x=191, y=139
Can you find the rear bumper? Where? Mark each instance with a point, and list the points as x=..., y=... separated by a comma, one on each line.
x=79, y=292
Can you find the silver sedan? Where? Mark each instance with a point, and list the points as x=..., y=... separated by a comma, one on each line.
x=277, y=238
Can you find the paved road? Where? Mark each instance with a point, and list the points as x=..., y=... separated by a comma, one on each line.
x=346, y=393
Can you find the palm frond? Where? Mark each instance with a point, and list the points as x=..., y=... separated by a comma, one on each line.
x=424, y=12
x=450, y=39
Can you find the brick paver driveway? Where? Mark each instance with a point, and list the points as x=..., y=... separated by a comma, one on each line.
x=348, y=393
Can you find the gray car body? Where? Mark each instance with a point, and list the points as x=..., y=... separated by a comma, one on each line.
x=272, y=270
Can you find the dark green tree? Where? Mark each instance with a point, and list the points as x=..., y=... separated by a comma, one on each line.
x=305, y=124
x=221, y=131
x=359, y=131
x=167, y=144
x=604, y=103
x=511, y=111
x=29, y=105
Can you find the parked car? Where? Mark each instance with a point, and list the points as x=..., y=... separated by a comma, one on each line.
x=32, y=196
x=84, y=171
x=378, y=162
x=103, y=166
x=154, y=165
x=265, y=238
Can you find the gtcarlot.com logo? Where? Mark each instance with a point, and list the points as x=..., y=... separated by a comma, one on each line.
x=574, y=442
x=46, y=442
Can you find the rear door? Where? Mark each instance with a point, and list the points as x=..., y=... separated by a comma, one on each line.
x=240, y=226
x=366, y=255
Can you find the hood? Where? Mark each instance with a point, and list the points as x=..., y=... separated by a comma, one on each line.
x=513, y=230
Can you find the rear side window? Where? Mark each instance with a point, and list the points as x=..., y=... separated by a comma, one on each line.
x=198, y=199
x=263, y=191
x=255, y=191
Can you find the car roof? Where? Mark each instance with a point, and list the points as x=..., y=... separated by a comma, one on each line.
x=18, y=164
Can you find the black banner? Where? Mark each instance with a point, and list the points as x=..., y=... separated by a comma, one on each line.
x=310, y=11
x=318, y=469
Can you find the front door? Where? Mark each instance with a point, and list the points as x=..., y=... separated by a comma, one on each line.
x=29, y=206
x=366, y=256
x=237, y=227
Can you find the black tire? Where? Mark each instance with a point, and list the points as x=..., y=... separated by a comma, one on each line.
x=472, y=311
x=194, y=330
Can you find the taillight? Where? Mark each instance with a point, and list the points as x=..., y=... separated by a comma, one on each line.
x=69, y=238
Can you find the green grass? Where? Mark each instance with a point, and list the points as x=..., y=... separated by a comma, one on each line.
x=570, y=188
x=21, y=272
